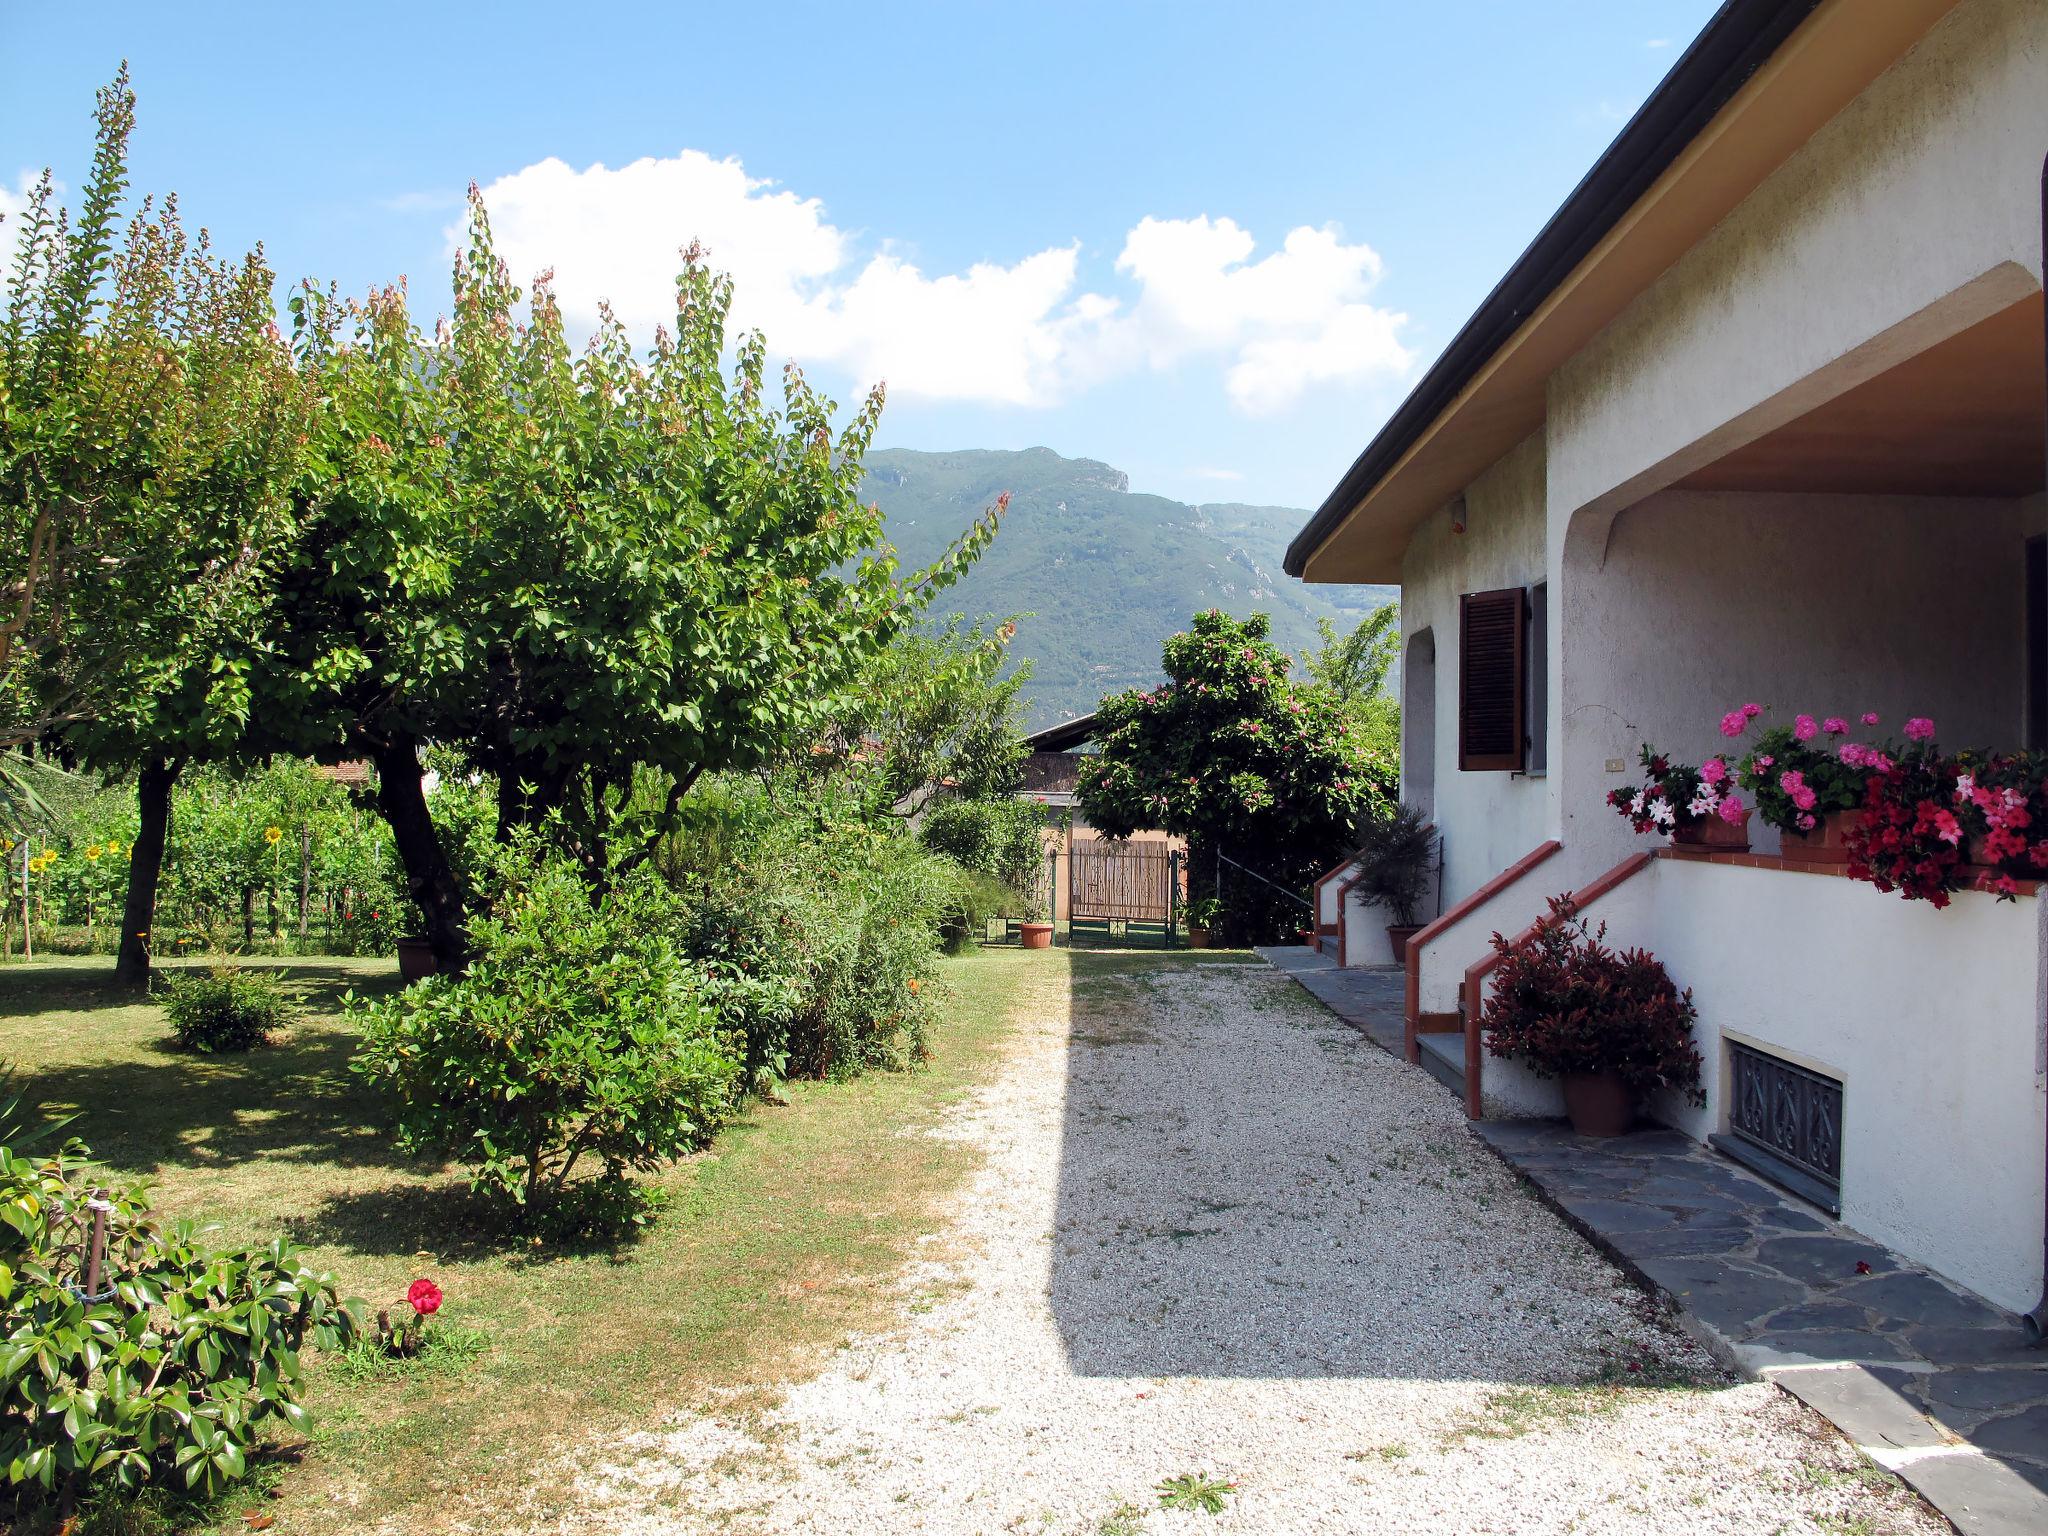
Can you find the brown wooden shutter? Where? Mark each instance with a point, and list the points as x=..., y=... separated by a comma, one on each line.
x=1491, y=679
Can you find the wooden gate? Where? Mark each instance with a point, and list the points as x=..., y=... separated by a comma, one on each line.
x=1126, y=892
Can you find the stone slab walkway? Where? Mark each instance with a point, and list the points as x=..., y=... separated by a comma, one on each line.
x=1367, y=997
x=1932, y=1382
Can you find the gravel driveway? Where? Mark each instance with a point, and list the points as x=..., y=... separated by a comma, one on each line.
x=1217, y=1233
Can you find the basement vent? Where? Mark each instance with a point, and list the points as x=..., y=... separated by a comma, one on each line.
x=1785, y=1122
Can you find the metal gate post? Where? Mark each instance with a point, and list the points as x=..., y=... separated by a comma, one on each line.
x=1172, y=897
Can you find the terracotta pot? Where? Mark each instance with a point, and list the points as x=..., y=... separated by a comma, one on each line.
x=1715, y=833
x=1198, y=938
x=416, y=960
x=1398, y=935
x=1035, y=935
x=1976, y=854
x=1599, y=1103
x=1826, y=843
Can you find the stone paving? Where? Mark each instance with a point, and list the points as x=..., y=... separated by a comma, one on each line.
x=1367, y=997
x=1932, y=1382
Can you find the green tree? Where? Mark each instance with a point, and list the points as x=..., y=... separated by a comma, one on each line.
x=931, y=711
x=1355, y=668
x=581, y=570
x=1242, y=761
x=151, y=420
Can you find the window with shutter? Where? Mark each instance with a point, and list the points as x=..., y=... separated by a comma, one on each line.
x=1491, y=676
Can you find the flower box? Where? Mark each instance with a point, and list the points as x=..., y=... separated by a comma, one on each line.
x=1715, y=833
x=1826, y=843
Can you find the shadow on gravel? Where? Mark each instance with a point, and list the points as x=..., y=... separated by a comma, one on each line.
x=1249, y=1189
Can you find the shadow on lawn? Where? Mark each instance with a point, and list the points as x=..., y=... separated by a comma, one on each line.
x=446, y=1220
x=294, y=1102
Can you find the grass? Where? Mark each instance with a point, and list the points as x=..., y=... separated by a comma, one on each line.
x=767, y=1254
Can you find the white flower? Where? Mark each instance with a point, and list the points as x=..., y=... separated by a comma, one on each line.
x=1965, y=784
x=1704, y=802
x=1661, y=812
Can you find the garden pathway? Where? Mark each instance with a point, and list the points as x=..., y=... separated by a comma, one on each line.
x=1215, y=1234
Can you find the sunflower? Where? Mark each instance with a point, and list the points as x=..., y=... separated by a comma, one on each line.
x=273, y=835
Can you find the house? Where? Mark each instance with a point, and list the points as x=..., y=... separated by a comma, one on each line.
x=1759, y=415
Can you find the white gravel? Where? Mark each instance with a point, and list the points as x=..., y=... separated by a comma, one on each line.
x=1217, y=1232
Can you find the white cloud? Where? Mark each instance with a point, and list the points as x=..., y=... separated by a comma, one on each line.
x=1294, y=318
x=1017, y=333
x=13, y=201
x=1658, y=42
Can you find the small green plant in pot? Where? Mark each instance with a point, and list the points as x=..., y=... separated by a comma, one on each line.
x=1396, y=860
x=1608, y=1023
x=1202, y=918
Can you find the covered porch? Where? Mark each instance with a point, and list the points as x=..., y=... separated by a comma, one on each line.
x=1873, y=541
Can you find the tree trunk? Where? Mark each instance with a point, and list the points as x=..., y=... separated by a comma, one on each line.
x=428, y=876
x=145, y=867
x=248, y=919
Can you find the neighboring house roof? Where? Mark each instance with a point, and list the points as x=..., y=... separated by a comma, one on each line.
x=1756, y=84
x=356, y=773
x=1044, y=773
x=1063, y=737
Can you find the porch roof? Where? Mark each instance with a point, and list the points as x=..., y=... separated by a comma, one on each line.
x=1758, y=81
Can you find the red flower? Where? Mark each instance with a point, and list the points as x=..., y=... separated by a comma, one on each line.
x=424, y=1297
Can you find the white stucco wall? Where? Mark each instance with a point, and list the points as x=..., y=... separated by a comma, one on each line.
x=1925, y=187
x=1488, y=819
x=1697, y=602
x=1932, y=1020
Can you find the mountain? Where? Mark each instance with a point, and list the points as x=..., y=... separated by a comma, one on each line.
x=1097, y=575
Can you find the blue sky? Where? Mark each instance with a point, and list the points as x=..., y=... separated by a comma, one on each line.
x=1212, y=245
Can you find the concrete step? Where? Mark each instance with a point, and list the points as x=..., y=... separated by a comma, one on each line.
x=1443, y=1057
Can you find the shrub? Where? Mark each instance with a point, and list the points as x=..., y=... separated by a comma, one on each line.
x=225, y=1008
x=1396, y=857
x=1002, y=839
x=172, y=1368
x=578, y=1038
x=1566, y=1003
x=809, y=927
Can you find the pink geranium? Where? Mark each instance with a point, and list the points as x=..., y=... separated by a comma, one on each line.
x=1730, y=810
x=1835, y=725
x=1713, y=770
x=1734, y=723
x=1805, y=728
x=1919, y=728
x=1870, y=719
x=1751, y=711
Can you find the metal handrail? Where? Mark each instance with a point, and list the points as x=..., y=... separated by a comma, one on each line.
x=1299, y=900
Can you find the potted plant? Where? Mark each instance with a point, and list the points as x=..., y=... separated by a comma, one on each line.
x=1202, y=915
x=1607, y=1023
x=1808, y=780
x=416, y=960
x=1034, y=932
x=1912, y=836
x=1395, y=859
x=2002, y=801
x=1697, y=806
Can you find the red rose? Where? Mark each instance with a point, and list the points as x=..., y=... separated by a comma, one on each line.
x=424, y=1297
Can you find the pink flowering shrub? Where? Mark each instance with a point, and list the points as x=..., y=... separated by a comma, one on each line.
x=2001, y=801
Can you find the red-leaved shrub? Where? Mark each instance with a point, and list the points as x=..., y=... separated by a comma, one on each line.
x=1565, y=1002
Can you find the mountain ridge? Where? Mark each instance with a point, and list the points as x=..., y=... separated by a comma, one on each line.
x=1098, y=575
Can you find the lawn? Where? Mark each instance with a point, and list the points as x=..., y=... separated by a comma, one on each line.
x=767, y=1255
